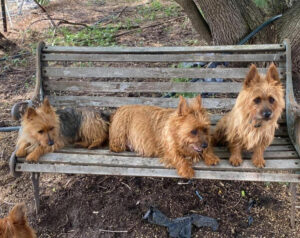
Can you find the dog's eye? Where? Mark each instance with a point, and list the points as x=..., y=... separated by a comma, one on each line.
x=194, y=132
x=40, y=131
x=271, y=100
x=257, y=100
x=51, y=128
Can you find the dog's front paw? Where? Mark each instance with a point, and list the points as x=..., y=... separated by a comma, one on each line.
x=186, y=172
x=259, y=163
x=235, y=160
x=211, y=159
x=21, y=153
x=32, y=158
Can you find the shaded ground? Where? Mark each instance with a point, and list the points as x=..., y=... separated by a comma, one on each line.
x=79, y=205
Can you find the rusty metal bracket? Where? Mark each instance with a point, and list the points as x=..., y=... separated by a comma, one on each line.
x=19, y=109
x=12, y=165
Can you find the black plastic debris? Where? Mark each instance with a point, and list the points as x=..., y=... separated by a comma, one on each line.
x=180, y=227
x=251, y=203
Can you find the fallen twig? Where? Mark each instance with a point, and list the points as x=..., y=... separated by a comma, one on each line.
x=61, y=21
x=102, y=230
x=148, y=26
x=44, y=10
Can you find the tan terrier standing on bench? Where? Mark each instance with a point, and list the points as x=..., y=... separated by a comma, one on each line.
x=252, y=122
x=178, y=136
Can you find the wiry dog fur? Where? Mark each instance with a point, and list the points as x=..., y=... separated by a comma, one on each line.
x=251, y=124
x=178, y=136
x=15, y=225
x=46, y=130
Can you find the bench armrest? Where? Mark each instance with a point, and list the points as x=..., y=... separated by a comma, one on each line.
x=19, y=109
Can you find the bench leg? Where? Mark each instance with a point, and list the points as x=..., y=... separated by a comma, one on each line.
x=293, y=203
x=35, y=178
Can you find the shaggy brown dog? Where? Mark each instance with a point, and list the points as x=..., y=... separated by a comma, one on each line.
x=15, y=225
x=251, y=124
x=179, y=137
x=46, y=130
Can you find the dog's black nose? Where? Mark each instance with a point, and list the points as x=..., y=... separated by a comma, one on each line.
x=50, y=142
x=267, y=113
x=204, y=145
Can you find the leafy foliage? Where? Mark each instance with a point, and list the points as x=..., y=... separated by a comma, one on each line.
x=92, y=36
x=261, y=3
x=43, y=2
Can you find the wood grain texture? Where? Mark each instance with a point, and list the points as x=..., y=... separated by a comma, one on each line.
x=150, y=172
x=127, y=87
x=142, y=162
x=196, y=57
x=84, y=101
x=127, y=72
x=170, y=50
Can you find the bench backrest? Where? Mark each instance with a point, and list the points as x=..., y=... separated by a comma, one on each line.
x=116, y=76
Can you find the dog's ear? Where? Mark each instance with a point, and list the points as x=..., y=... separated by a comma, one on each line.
x=272, y=74
x=17, y=215
x=30, y=113
x=251, y=77
x=46, y=106
x=197, y=103
x=183, y=108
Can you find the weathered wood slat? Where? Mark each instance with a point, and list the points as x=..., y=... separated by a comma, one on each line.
x=269, y=154
x=84, y=101
x=83, y=57
x=127, y=72
x=141, y=162
x=145, y=172
x=214, y=118
x=170, y=50
x=126, y=87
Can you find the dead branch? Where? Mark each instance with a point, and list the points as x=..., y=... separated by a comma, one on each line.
x=44, y=10
x=148, y=26
x=61, y=22
x=111, y=231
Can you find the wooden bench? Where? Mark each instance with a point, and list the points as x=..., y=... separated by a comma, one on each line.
x=109, y=77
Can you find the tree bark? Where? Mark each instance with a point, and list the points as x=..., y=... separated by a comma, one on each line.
x=6, y=45
x=231, y=20
x=225, y=21
x=288, y=26
x=196, y=19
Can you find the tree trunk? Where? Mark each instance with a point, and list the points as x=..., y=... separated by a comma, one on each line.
x=196, y=19
x=6, y=45
x=288, y=26
x=231, y=20
x=225, y=21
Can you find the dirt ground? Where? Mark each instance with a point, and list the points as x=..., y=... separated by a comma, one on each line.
x=85, y=206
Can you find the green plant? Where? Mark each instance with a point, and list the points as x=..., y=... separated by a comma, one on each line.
x=261, y=3
x=183, y=80
x=156, y=10
x=43, y=2
x=91, y=36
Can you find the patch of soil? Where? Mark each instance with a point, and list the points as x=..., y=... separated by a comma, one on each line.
x=86, y=205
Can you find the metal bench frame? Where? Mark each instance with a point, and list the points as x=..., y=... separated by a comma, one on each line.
x=104, y=162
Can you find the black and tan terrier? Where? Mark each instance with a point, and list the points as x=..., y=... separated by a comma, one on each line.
x=45, y=130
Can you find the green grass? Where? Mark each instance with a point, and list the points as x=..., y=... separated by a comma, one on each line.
x=156, y=10
x=261, y=3
x=183, y=80
x=92, y=36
